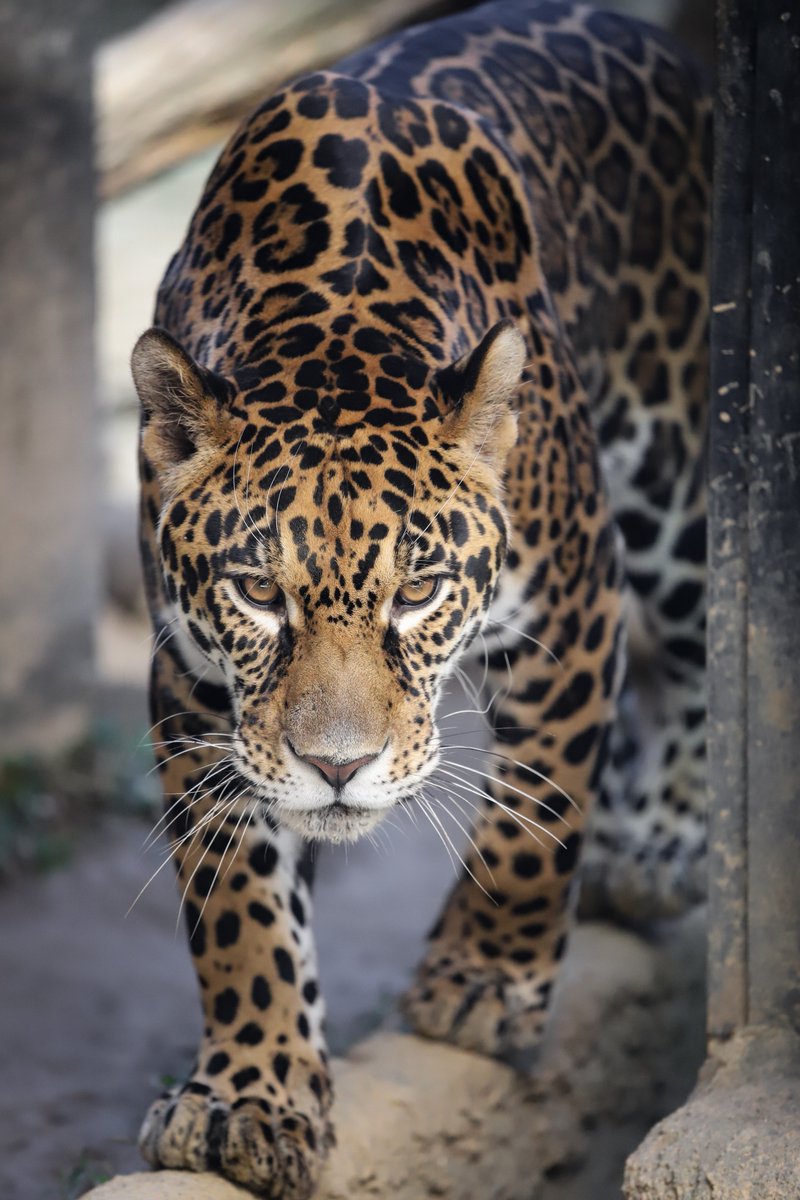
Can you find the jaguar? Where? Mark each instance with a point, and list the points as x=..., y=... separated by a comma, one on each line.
x=426, y=385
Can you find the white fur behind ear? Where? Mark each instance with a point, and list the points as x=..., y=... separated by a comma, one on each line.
x=501, y=371
x=484, y=420
x=166, y=378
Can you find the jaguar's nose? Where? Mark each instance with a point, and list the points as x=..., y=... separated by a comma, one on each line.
x=336, y=774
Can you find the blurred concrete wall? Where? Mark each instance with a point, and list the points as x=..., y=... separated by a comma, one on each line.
x=48, y=468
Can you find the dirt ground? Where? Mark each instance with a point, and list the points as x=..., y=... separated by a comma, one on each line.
x=98, y=1007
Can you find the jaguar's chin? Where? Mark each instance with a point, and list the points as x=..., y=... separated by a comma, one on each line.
x=334, y=822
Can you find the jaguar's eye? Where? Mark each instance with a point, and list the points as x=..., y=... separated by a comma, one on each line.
x=261, y=593
x=417, y=592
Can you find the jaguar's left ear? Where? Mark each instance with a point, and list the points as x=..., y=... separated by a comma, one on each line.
x=480, y=388
x=186, y=407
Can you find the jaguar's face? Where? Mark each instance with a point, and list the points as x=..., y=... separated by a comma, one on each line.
x=331, y=588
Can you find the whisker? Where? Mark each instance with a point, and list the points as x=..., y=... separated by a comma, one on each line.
x=254, y=805
x=206, y=779
x=473, y=712
x=457, y=731
x=486, y=662
x=523, y=822
x=424, y=809
x=196, y=740
x=173, y=847
x=509, y=787
x=467, y=685
x=173, y=716
x=228, y=806
x=466, y=833
x=195, y=745
x=518, y=817
x=528, y=638
x=459, y=857
x=253, y=808
x=205, y=819
x=523, y=767
x=160, y=640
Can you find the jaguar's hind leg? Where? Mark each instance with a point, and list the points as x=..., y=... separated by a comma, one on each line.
x=646, y=853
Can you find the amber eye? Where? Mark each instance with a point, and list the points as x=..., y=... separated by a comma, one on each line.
x=417, y=592
x=262, y=593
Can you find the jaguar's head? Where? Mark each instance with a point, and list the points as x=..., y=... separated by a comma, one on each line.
x=328, y=552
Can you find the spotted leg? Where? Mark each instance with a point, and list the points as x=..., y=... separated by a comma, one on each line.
x=554, y=669
x=646, y=855
x=256, y=1105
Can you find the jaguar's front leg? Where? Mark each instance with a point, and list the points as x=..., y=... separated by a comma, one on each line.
x=555, y=668
x=256, y=1105
x=493, y=956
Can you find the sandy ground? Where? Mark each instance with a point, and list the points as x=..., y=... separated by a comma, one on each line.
x=96, y=1007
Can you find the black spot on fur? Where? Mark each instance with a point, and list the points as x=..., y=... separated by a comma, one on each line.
x=284, y=964
x=226, y=1006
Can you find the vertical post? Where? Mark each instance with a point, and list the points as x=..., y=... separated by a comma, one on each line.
x=754, y=538
x=48, y=470
x=773, y=776
x=727, y=517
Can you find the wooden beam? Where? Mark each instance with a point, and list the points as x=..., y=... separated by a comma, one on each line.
x=182, y=80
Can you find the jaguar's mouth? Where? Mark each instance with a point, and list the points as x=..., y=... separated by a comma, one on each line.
x=334, y=822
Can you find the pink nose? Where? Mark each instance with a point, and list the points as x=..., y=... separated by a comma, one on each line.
x=337, y=774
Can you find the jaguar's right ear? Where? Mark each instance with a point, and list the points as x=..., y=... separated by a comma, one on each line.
x=186, y=407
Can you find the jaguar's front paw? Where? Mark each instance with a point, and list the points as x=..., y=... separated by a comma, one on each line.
x=479, y=1007
x=272, y=1149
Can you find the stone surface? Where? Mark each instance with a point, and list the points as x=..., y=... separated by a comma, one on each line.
x=169, y=1185
x=738, y=1136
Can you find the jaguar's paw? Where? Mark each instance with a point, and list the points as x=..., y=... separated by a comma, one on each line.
x=480, y=1008
x=273, y=1150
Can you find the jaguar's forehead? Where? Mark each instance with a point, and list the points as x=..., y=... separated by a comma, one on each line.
x=332, y=516
x=342, y=544
x=337, y=493
x=306, y=379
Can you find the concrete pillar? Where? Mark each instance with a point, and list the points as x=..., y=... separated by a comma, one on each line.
x=48, y=462
x=738, y=1135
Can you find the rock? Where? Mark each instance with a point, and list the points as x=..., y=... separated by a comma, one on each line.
x=738, y=1136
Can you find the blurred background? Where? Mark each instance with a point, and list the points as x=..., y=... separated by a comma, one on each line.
x=113, y=112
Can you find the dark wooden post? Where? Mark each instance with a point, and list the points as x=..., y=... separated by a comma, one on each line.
x=48, y=466
x=754, y=531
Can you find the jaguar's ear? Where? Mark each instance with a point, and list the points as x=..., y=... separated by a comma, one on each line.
x=480, y=388
x=186, y=407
